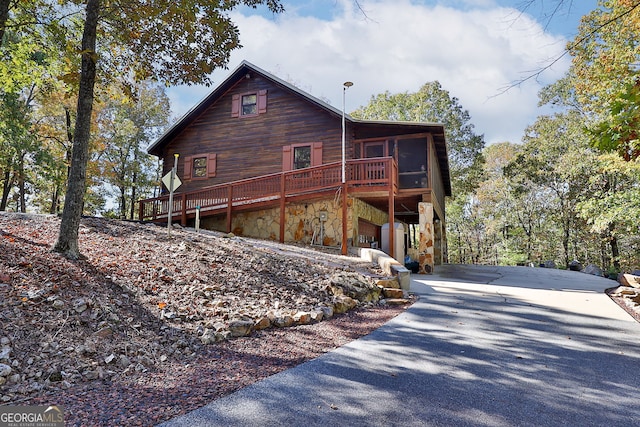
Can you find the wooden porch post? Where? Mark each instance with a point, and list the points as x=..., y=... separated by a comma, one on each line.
x=344, y=218
x=183, y=218
x=283, y=194
x=140, y=211
x=392, y=221
x=229, y=207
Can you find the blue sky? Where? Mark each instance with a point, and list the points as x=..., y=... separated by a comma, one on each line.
x=474, y=48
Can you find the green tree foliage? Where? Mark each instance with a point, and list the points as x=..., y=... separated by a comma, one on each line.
x=608, y=44
x=54, y=129
x=24, y=77
x=433, y=104
x=613, y=208
x=509, y=212
x=128, y=126
x=555, y=162
x=130, y=39
x=16, y=143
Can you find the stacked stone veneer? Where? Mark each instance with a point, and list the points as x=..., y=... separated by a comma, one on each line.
x=301, y=220
x=425, y=250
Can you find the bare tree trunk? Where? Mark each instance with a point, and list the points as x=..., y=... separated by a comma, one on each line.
x=21, y=186
x=565, y=243
x=53, y=209
x=133, y=197
x=123, y=203
x=4, y=15
x=67, y=114
x=7, y=182
x=67, y=243
x=613, y=244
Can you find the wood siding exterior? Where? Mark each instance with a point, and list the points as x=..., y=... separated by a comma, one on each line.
x=252, y=146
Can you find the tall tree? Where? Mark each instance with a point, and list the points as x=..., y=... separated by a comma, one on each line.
x=557, y=160
x=202, y=37
x=25, y=73
x=613, y=206
x=129, y=125
x=608, y=44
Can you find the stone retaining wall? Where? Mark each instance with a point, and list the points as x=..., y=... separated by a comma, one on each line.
x=301, y=220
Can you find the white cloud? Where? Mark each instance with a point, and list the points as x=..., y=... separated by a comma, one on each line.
x=474, y=53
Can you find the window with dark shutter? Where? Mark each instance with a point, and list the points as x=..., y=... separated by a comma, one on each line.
x=300, y=156
x=249, y=104
x=200, y=167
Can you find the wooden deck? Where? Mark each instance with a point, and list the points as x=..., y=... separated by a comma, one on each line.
x=363, y=176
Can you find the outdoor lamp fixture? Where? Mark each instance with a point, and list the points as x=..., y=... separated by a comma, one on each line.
x=345, y=86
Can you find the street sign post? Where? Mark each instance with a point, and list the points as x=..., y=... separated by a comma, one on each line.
x=166, y=180
x=173, y=180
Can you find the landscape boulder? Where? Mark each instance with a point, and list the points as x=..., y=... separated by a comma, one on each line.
x=343, y=303
x=393, y=293
x=629, y=280
x=593, y=270
x=262, y=323
x=353, y=285
x=575, y=265
x=240, y=328
x=5, y=370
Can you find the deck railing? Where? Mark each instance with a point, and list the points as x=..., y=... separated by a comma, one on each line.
x=380, y=173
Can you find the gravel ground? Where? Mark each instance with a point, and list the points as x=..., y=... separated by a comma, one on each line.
x=628, y=305
x=219, y=369
x=118, y=338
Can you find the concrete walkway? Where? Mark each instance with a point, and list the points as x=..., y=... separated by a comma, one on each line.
x=483, y=346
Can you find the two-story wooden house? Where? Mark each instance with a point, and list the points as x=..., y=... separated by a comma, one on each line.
x=261, y=158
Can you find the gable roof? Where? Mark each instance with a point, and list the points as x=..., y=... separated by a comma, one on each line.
x=245, y=66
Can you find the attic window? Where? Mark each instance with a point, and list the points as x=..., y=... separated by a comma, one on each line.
x=249, y=104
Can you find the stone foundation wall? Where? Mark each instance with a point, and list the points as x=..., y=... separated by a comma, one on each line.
x=301, y=220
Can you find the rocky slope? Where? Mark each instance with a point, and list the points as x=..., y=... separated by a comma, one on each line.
x=142, y=298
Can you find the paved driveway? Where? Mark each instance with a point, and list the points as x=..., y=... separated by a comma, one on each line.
x=483, y=346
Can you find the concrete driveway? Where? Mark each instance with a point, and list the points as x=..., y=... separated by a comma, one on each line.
x=483, y=346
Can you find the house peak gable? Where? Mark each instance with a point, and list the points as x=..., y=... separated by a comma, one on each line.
x=219, y=91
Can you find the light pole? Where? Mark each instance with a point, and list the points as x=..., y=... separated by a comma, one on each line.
x=345, y=86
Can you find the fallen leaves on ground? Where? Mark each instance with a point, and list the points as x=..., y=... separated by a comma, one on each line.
x=119, y=331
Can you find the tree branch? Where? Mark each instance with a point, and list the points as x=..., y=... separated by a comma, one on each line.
x=570, y=47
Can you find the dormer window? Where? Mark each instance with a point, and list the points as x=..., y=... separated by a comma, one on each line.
x=249, y=104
